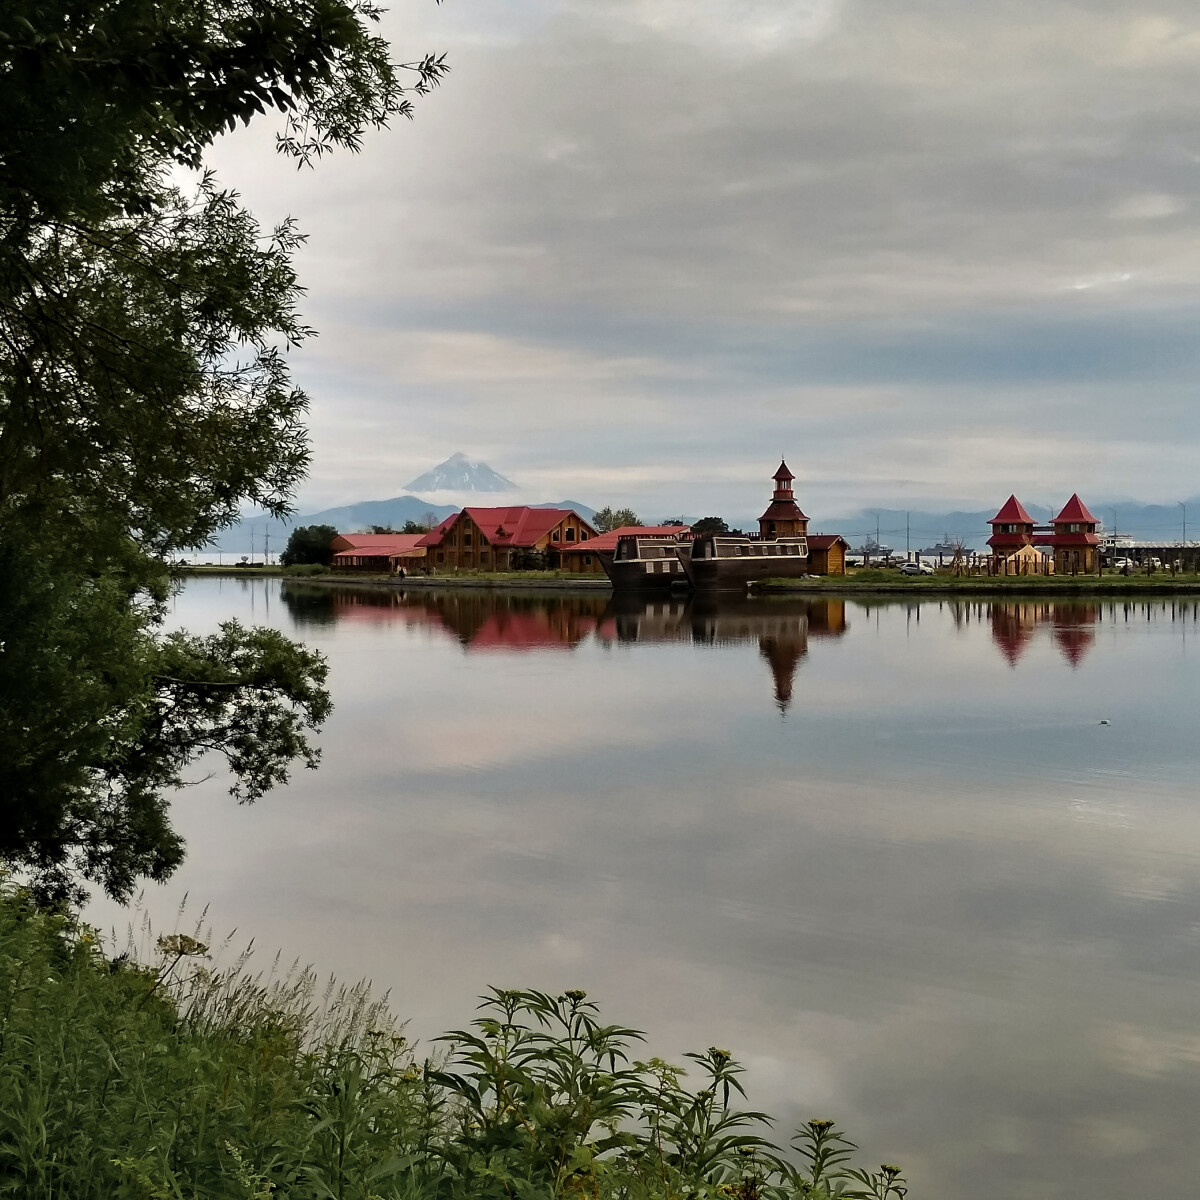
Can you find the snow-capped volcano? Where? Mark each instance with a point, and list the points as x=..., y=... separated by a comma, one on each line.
x=459, y=474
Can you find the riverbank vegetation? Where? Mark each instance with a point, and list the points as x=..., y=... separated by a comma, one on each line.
x=177, y=1079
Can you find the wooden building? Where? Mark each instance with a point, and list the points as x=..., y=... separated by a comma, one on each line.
x=492, y=539
x=783, y=517
x=827, y=554
x=1012, y=528
x=379, y=553
x=1075, y=542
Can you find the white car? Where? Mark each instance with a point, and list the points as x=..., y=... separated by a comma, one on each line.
x=915, y=568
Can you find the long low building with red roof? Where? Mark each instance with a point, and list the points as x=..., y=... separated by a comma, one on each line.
x=493, y=539
x=380, y=552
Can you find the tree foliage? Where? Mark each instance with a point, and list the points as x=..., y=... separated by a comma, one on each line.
x=309, y=544
x=608, y=518
x=709, y=525
x=145, y=395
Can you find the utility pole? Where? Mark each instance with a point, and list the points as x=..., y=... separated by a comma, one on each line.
x=267, y=548
x=907, y=545
x=1184, y=507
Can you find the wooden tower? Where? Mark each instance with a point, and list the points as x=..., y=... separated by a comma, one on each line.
x=783, y=517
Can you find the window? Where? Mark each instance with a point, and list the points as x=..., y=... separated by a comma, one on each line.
x=587, y=560
x=583, y=535
x=554, y=536
x=466, y=539
x=570, y=535
x=441, y=556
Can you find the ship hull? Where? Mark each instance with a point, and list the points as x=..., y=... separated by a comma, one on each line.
x=644, y=575
x=736, y=574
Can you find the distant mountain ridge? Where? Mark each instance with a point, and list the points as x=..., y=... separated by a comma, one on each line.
x=460, y=474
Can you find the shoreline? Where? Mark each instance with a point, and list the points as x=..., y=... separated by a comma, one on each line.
x=1091, y=585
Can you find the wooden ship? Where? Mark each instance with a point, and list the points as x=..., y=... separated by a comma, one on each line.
x=646, y=562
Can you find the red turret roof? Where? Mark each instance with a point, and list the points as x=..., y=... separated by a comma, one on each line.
x=1074, y=510
x=783, y=472
x=1012, y=513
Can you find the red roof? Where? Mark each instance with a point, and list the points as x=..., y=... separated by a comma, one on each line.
x=783, y=510
x=1074, y=510
x=523, y=526
x=1012, y=513
x=376, y=545
x=608, y=541
x=825, y=541
x=434, y=536
x=783, y=472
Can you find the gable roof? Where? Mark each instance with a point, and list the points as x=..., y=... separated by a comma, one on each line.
x=1012, y=512
x=608, y=541
x=1074, y=510
x=376, y=545
x=826, y=541
x=516, y=526
x=434, y=536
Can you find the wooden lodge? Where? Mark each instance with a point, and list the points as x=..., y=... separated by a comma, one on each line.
x=494, y=539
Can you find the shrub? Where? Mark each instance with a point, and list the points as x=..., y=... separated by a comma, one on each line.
x=122, y=1079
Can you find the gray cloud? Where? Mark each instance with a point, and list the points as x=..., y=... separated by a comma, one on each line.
x=848, y=228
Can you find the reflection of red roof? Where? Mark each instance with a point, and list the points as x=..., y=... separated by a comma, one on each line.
x=523, y=526
x=1012, y=513
x=608, y=541
x=1074, y=510
x=528, y=631
x=826, y=541
x=376, y=545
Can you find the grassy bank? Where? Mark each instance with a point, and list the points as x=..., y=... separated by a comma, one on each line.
x=173, y=1080
x=467, y=579
x=1160, y=583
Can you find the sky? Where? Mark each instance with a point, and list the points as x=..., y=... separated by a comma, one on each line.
x=632, y=251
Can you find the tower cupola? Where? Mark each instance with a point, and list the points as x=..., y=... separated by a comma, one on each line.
x=783, y=517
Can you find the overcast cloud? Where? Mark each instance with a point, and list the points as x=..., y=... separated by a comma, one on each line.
x=634, y=249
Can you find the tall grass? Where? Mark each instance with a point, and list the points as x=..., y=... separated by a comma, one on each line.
x=172, y=1080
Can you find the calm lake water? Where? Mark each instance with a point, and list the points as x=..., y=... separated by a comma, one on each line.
x=932, y=870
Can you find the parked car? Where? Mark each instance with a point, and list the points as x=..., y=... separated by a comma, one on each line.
x=915, y=568
x=1121, y=564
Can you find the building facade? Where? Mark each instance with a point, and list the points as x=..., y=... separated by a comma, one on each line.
x=494, y=539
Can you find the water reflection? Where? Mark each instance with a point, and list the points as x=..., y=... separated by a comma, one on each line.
x=1071, y=625
x=953, y=899
x=508, y=621
x=780, y=628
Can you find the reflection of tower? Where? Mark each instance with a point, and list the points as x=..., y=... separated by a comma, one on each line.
x=783, y=517
x=1012, y=629
x=783, y=654
x=1073, y=632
